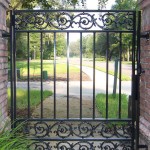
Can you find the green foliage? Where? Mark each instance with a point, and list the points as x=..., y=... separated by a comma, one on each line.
x=100, y=59
x=111, y=72
x=13, y=140
x=35, y=45
x=51, y=4
x=35, y=68
x=30, y=4
x=48, y=46
x=75, y=48
x=22, y=96
x=100, y=44
x=125, y=5
x=60, y=44
x=113, y=105
x=21, y=45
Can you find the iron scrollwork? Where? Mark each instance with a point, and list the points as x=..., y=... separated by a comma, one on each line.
x=63, y=20
x=66, y=131
x=115, y=146
x=79, y=129
x=79, y=145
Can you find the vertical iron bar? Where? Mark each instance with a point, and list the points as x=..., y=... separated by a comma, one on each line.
x=94, y=75
x=139, y=72
x=41, y=46
x=54, y=75
x=139, y=42
x=28, y=65
x=107, y=67
x=67, y=75
x=120, y=73
x=80, y=75
x=11, y=67
x=14, y=71
x=133, y=79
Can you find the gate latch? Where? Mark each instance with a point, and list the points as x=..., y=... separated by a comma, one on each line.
x=143, y=146
x=140, y=70
x=145, y=35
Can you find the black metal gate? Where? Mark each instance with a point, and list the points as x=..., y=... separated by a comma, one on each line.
x=82, y=132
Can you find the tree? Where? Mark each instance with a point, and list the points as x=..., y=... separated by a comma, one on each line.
x=48, y=42
x=21, y=45
x=126, y=38
x=60, y=44
x=30, y=4
x=52, y=4
x=125, y=5
x=75, y=49
x=48, y=46
x=87, y=45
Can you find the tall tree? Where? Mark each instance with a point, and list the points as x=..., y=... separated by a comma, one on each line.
x=125, y=5
x=126, y=38
x=52, y=4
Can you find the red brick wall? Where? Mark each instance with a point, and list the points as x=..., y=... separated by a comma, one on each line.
x=3, y=64
x=145, y=78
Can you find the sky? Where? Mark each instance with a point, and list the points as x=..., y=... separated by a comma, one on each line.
x=92, y=4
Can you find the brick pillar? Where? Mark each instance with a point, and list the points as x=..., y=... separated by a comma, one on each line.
x=145, y=78
x=3, y=64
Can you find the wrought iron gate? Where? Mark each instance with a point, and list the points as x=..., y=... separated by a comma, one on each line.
x=95, y=132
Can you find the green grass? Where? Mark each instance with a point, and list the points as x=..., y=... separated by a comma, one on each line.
x=123, y=77
x=127, y=62
x=22, y=98
x=35, y=68
x=113, y=105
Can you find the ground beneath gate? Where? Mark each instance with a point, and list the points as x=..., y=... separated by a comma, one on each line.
x=61, y=107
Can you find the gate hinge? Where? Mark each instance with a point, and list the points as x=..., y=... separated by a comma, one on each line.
x=5, y=34
x=143, y=146
x=145, y=35
x=140, y=70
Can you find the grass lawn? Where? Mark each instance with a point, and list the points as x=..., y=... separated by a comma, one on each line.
x=35, y=68
x=127, y=62
x=22, y=98
x=111, y=72
x=123, y=77
x=113, y=104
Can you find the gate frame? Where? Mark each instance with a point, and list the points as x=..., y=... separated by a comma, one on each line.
x=135, y=78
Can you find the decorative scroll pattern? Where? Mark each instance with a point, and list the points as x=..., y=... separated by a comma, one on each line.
x=80, y=129
x=94, y=145
x=60, y=135
x=63, y=20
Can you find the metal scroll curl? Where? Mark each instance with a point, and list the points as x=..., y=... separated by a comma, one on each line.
x=39, y=145
x=63, y=20
x=115, y=145
x=79, y=145
x=80, y=129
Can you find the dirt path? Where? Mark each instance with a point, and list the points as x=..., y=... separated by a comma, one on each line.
x=61, y=107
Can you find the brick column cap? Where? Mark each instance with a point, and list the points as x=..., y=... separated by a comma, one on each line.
x=144, y=3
